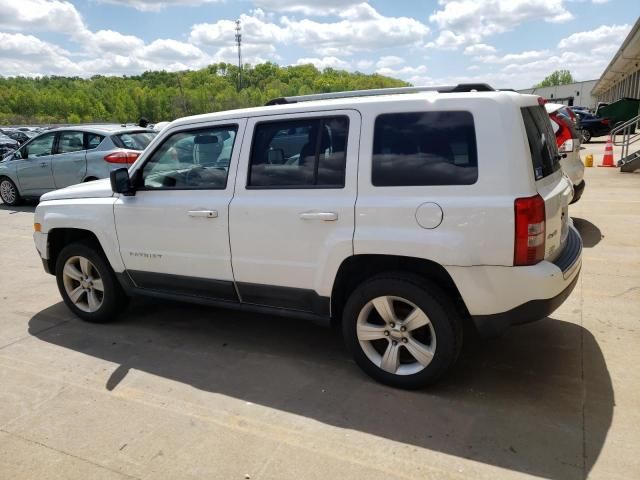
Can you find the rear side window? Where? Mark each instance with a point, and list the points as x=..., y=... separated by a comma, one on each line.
x=133, y=140
x=424, y=148
x=542, y=141
x=304, y=153
x=93, y=140
x=69, y=142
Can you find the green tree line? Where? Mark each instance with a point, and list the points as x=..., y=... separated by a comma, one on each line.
x=160, y=95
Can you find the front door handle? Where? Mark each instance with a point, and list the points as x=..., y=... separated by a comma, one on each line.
x=43, y=164
x=324, y=216
x=203, y=213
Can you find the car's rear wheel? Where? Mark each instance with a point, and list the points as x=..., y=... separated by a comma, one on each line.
x=9, y=192
x=585, y=136
x=87, y=284
x=402, y=330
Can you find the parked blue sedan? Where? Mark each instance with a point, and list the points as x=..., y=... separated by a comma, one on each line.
x=591, y=126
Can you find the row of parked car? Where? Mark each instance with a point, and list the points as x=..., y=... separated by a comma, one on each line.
x=12, y=137
x=60, y=157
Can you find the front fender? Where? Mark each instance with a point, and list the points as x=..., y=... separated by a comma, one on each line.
x=92, y=214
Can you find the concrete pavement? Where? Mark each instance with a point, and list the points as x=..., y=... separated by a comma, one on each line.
x=181, y=391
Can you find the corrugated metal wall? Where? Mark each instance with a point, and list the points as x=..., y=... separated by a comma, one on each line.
x=628, y=86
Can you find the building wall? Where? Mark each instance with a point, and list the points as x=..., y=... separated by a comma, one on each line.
x=628, y=86
x=578, y=94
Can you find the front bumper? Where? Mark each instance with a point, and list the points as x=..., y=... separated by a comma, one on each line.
x=42, y=247
x=577, y=191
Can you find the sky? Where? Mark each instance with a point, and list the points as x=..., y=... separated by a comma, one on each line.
x=507, y=43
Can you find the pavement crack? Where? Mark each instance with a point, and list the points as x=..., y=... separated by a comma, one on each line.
x=35, y=442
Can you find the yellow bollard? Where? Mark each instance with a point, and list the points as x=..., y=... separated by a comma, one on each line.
x=588, y=161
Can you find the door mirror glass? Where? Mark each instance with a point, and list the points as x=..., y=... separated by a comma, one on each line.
x=120, y=182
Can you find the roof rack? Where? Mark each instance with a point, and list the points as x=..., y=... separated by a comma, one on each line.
x=462, y=87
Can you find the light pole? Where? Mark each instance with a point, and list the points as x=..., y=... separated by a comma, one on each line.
x=239, y=44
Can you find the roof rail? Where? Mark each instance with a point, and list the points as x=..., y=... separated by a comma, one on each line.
x=462, y=87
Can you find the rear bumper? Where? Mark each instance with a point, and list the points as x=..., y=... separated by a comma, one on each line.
x=494, y=325
x=577, y=191
x=498, y=297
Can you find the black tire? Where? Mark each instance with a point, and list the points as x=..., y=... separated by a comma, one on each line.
x=113, y=298
x=443, y=316
x=6, y=186
x=585, y=136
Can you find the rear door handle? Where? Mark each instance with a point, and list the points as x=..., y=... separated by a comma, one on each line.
x=203, y=213
x=324, y=216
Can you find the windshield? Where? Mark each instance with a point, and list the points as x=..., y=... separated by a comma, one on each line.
x=134, y=140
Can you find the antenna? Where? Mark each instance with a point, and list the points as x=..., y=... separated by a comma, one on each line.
x=239, y=44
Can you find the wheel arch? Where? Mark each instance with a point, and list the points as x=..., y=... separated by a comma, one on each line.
x=58, y=238
x=357, y=268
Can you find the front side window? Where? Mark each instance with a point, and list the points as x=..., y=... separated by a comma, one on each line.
x=69, y=142
x=303, y=153
x=39, y=147
x=194, y=159
x=424, y=148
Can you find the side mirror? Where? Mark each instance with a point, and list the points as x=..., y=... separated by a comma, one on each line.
x=121, y=183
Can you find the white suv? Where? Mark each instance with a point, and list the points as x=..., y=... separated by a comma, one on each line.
x=396, y=214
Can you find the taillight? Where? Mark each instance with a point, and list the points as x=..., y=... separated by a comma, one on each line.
x=122, y=157
x=604, y=121
x=564, y=138
x=529, y=231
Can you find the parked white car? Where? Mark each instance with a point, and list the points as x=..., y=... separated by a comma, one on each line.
x=568, y=142
x=398, y=214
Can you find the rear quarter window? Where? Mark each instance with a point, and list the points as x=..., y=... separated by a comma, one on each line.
x=542, y=141
x=424, y=148
x=133, y=140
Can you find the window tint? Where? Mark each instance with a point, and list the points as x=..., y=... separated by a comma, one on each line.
x=542, y=141
x=134, y=140
x=424, y=148
x=40, y=146
x=69, y=142
x=93, y=140
x=304, y=153
x=191, y=160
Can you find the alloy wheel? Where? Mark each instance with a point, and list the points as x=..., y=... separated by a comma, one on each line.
x=7, y=191
x=396, y=335
x=83, y=284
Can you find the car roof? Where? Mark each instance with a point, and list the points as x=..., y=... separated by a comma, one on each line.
x=102, y=129
x=353, y=102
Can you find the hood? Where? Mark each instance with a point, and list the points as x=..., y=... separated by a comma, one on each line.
x=95, y=189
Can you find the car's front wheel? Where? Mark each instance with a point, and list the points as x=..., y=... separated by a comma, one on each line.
x=9, y=192
x=402, y=330
x=87, y=284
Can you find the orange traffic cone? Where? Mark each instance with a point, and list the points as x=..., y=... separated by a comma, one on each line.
x=607, y=160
